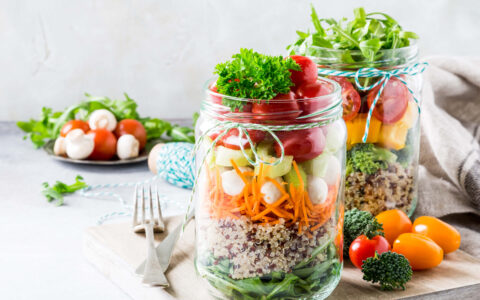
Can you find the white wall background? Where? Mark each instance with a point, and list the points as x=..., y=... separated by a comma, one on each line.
x=162, y=51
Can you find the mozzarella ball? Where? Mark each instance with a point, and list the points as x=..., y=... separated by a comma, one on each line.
x=317, y=189
x=270, y=192
x=232, y=183
x=333, y=171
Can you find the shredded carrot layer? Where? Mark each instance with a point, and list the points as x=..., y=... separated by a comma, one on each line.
x=294, y=206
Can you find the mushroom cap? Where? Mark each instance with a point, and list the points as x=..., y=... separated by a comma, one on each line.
x=102, y=119
x=127, y=146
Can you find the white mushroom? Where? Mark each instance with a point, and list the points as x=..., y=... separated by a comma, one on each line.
x=78, y=144
x=270, y=192
x=60, y=146
x=333, y=170
x=102, y=119
x=127, y=146
x=232, y=184
x=317, y=189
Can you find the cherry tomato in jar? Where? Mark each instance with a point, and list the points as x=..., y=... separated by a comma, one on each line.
x=303, y=144
x=362, y=248
x=231, y=140
x=421, y=251
x=307, y=93
x=105, y=144
x=133, y=127
x=393, y=102
x=308, y=74
x=444, y=234
x=218, y=99
x=283, y=106
x=74, y=124
x=351, y=100
x=394, y=222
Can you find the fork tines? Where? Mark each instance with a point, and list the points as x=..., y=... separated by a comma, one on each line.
x=154, y=208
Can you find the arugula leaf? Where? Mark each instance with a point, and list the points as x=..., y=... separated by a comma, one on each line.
x=253, y=75
x=367, y=32
x=59, y=189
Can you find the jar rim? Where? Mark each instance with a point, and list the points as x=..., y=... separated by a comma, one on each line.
x=330, y=106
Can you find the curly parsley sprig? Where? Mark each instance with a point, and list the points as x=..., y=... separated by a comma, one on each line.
x=253, y=75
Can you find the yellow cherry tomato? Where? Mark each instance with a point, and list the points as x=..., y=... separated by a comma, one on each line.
x=445, y=235
x=395, y=222
x=420, y=250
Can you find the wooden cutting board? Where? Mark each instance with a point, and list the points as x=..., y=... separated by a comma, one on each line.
x=116, y=251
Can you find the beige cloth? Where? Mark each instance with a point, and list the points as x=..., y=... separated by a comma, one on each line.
x=449, y=173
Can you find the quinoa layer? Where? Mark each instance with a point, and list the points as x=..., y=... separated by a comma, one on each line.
x=386, y=189
x=256, y=250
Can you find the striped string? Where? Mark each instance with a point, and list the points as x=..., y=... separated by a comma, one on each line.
x=127, y=208
x=384, y=75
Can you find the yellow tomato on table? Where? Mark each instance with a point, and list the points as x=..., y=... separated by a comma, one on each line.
x=421, y=251
x=394, y=222
x=445, y=235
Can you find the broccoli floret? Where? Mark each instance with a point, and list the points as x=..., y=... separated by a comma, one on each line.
x=405, y=155
x=367, y=158
x=390, y=269
x=358, y=222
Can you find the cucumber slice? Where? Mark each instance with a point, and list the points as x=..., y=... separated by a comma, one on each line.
x=317, y=166
x=224, y=155
x=292, y=177
x=265, y=152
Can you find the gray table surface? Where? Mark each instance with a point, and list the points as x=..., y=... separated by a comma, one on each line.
x=41, y=244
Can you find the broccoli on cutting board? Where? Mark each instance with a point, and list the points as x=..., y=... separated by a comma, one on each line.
x=358, y=222
x=367, y=158
x=391, y=270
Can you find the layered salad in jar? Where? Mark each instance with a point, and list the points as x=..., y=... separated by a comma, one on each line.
x=358, y=53
x=269, y=205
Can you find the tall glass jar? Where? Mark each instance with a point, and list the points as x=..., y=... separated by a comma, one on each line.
x=269, y=222
x=382, y=172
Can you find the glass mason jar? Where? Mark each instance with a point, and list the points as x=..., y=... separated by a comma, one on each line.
x=269, y=225
x=381, y=173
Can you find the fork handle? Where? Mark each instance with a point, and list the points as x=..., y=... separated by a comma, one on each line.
x=153, y=274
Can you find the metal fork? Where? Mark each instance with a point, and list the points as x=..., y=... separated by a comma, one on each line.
x=153, y=274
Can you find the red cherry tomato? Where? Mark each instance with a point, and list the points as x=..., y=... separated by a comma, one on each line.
x=313, y=90
x=74, y=124
x=215, y=98
x=105, y=144
x=393, y=102
x=362, y=248
x=302, y=144
x=351, y=100
x=133, y=127
x=308, y=74
x=283, y=104
x=230, y=140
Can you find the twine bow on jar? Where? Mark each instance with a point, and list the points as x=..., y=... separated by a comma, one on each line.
x=410, y=70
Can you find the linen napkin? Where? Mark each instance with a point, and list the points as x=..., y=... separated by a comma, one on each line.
x=449, y=172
